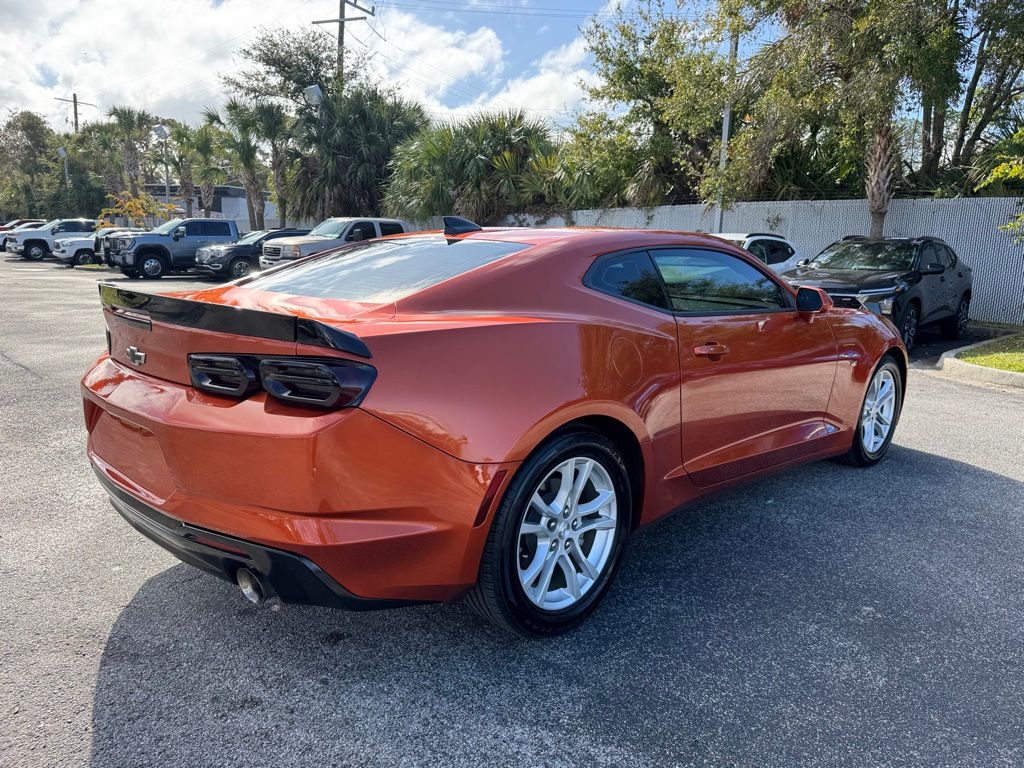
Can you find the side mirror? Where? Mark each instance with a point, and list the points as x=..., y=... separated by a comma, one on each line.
x=178, y=233
x=933, y=269
x=54, y=230
x=803, y=262
x=811, y=300
x=355, y=236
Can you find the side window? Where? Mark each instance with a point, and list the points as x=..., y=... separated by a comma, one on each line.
x=760, y=249
x=80, y=226
x=194, y=228
x=62, y=227
x=361, y=230
x=950, y=257
x=390, y=228
x=700, y=280
x=216, y=229
x=630, y=275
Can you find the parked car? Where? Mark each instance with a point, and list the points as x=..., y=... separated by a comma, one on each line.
x=104, y=238
x=19, y=228
x=773, y=250
x=75, y=251
x=330, y=234
x=37, y=243
x=239, y=259
x=912, y=281
x=471, y=412
x=171, y=247
x=15, y=223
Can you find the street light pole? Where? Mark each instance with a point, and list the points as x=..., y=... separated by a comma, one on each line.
x=63, y=154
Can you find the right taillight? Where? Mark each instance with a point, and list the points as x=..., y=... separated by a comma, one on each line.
x=322, y=384
x=312, y=382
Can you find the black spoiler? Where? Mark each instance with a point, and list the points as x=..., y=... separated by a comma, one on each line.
x=135, y=307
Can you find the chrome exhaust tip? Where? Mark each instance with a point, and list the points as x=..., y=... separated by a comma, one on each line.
x=250, y=585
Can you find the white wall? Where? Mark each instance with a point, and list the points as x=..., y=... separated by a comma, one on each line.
x=969, y=225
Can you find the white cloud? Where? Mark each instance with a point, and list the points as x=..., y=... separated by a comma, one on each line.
x=126, y=52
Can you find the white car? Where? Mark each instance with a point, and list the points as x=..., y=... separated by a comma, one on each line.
x=330, y=233
x=35, y=244
x=773, y=250
x=75, y=251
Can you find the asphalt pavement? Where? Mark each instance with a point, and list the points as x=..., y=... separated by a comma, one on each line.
x=825, y=616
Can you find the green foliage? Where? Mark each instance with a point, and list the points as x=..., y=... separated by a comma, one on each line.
x=345, y=148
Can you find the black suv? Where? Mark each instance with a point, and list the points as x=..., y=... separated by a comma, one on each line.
x=913, y=282
x=237, y=260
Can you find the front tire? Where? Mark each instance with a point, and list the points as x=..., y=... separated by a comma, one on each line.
x=909, y=322
x=151, y=266
x=82, y=258
x=240, y=268
x=878, y=415
x=557, y=537
x=36, y=252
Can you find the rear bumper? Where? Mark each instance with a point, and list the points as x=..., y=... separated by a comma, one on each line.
x=293, y=578
x=377, y=510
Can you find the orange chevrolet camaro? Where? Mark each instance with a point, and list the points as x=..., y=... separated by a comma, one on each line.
x=476, y=412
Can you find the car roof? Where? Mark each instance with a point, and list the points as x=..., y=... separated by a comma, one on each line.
x=602, y=239
x=892, y=240
x=745, y=235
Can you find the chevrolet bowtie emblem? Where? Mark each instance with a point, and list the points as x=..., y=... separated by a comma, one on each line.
x=135, y=356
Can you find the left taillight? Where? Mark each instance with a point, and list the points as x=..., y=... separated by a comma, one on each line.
x=312, y=382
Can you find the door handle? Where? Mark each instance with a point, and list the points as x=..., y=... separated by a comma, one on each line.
x=710, y=349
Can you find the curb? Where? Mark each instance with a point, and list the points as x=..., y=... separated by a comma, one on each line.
x=954, y=368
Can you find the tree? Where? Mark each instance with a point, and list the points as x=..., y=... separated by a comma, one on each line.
x=182, y=161
x=280, y=63
x=133, y=126
x=239, y=144
x=477, y=168
x=209, y=170
x=271, y=124
x=345, y=149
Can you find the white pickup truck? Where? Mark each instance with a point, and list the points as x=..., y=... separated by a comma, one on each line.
x=36, y=244
x=330, y=233
x=75, y=251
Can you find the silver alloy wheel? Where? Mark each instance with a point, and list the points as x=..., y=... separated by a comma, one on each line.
x=568, y=534
x=35, y=252
x=83, y=258
x=152, y=266
x=879, y=411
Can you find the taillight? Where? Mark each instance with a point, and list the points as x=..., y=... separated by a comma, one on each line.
x=223, y=375
x=327, y=384
x=316, y=382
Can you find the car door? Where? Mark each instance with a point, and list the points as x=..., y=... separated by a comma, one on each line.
x=956, y=278
x=756, y=375
x=933, y=287
x=217, y=232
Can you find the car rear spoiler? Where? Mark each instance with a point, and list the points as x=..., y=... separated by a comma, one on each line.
x=144, y=308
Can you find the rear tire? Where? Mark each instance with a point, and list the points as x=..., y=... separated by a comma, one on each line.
x=955, y=326
x=555, y=545
x=877, y=413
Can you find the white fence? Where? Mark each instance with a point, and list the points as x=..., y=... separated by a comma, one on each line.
x=969, y=225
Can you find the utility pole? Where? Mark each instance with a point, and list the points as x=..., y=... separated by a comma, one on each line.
x=723, y=155
x=74, y=101
x=341, y=21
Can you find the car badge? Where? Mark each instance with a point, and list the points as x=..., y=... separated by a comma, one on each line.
x=135, y=356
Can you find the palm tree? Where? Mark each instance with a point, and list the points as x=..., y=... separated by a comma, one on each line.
x=239, y=143
x=182, y=159
x=208, y=168
x=345, y=150
x=133, y=126
x=483, y=168
x=273, y=125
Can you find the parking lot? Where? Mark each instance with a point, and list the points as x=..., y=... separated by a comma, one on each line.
x=825, y=616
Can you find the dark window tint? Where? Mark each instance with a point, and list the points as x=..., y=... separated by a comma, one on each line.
x=760, y=249
x=630, y=275
x=361, y=230
x=193, y=228
x=81, y=226
x=930, y=255
x=216, y=229
x=710, y=281
x=381, y=271
x=389, y=228
x=948, y=256
x=778, y=251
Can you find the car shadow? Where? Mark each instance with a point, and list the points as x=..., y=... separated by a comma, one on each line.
x=827, y=614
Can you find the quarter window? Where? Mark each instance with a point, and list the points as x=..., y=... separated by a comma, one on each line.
x=700, y=280
x=629, y=275
x=390, y=228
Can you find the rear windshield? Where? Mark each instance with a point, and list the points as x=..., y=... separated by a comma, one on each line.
x=382, y=271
